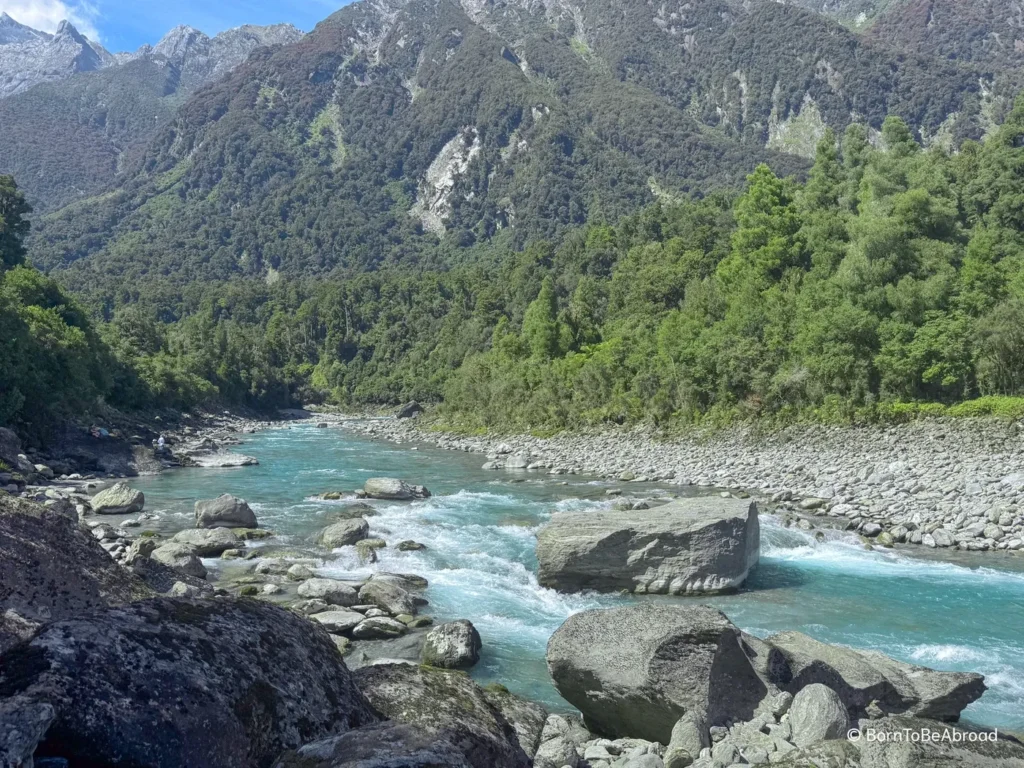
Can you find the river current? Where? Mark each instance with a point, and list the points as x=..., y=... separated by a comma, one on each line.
x=480, y=531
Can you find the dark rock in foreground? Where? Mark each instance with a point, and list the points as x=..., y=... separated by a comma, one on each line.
x=52, y=569
x=691, y=546
x=386, y=745
x=176, y=682
x=449, y=706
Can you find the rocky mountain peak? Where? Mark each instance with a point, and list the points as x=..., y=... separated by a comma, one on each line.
x=13, y=32
x=180, y=41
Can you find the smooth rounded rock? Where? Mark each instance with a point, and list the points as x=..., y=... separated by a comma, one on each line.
x=226, y=511
x=453, y=645
x=817, y=714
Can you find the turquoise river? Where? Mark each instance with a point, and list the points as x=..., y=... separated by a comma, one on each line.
x=480, y=529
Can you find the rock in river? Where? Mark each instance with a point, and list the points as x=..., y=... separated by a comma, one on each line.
x=174, y=682
x=180, y=556
x=330, y=591
x=392, y=489
x=455, y=645
x=344, y=532
x=226, y=511
x=118, y=499
x=690, y=546
x=208, y=542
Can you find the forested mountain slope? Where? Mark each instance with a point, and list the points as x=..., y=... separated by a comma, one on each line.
x=399, y=121
x=78, y=115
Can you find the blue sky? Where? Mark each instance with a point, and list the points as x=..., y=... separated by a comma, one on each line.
x=124, y=25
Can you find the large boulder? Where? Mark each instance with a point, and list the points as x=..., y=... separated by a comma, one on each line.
x=389, y=596
x=527, y=717
x=454, y=645
x=10, y=448
x=180, y=556
x=208, y=542
x=226, y=511
x=409, y=410
x=118, y=499
x=331, y=591
x=344, y=532
x=635, y=671
x=384, y=745
x=392, y=489
x=862, y=677
x=817, y=714
x=51, y=569
x=446, y=704
x=691, y=546
x=172, y=682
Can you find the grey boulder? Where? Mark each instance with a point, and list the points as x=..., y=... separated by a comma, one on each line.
x=388, y=595
x=636, y=671
x=225, y=511
x=691, y=546
x=208, y=542
x=861, y=677
x=118, y=499
x=51, y=569
x=180, y=556
x=393, y=489
x=526, y=717
x=817, y=714
x=329, y=590
x=173, y=682
x=338, y=622
x=447, y=705
x=344, y=532
x=454, y=645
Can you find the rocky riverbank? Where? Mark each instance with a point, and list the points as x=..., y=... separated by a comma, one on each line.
x=939, y=483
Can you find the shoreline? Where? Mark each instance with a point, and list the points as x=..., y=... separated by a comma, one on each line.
x=954, y=484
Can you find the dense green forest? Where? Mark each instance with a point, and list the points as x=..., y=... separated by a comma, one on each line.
x=893, y=275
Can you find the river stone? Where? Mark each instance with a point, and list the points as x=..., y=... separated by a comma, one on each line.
x=338, y=622
x=389, y=596
x=861, y=677
x=384, y=745
x=690, y=546
x=817, y=714
x=222, y=460
x=51, y=569
x=454, y=645
x=180, y=556
x=118, y=499
x=392, y=489
x=379, y=628
x=330, y=590
x=226, y=511
x=344, y=533
x=357, y=509
x=446, y=704
x=207, y=542
x=635, y=671
x=175, y=682
x=689, y=737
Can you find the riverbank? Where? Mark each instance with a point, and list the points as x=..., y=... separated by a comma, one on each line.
x=940, y=483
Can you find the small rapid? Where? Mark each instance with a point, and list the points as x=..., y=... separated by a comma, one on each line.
x=480, y=529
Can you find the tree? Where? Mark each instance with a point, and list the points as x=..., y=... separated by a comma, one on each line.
x=540, y=324
x=14, y=224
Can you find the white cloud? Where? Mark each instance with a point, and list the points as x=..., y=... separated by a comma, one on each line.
x=47, y=14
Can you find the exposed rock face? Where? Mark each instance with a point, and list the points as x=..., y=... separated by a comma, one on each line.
x=691, y=546
x=209, y=542
x=392, y=489
x=635, y=671
x=344, y=533
x=455, y=645
x=28, y=57
x=860, y=677
x=817, y=714
x=173, y=682
x=385, y=745
x=447, y=705
x=225, y=511
x=118, y=499
x=50, y=569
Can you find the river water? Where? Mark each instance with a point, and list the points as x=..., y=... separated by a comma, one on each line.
x=480, y=531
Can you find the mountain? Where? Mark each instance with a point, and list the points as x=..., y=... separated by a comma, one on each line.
x=71, y=127
x=29, y=57
x=397, y=122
